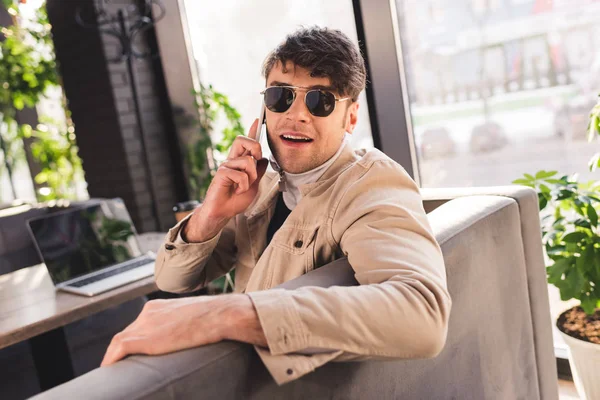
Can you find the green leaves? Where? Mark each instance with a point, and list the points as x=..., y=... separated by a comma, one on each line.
x=570, y=232
x=201, y=160
x=556, y=271
x=533, y=181
x=593, y=131
x=55, y=151
x=524, y=182
x=542, y=200
x=593, y=216
x=574, y=237
x=27, y=66
x=589, y=304
x=594, y=162
x=27, y=70
x=594, y=124
x=544, y=174
x=572, y=286
x=203, y=155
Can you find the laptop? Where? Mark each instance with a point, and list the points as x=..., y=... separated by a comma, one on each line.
x=91, y=249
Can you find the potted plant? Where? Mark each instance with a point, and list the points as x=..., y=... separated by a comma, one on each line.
x=571, y=236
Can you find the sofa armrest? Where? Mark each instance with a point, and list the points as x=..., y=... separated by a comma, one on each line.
x=435, y=197
x=527, y=201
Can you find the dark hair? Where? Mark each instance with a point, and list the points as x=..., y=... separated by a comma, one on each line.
x=325, y=53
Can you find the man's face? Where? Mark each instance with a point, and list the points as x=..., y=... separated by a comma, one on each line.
x=326, y=133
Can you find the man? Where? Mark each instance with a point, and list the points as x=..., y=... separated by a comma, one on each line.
x=326, y=202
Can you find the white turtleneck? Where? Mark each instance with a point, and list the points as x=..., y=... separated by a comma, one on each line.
x=291, y=193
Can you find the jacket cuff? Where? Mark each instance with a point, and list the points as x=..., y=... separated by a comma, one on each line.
x=288, y=367
x=175, y=232
x=179, y=238
x=175, y=244
x=284, y=330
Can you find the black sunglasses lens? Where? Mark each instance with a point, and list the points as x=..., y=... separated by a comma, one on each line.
x=279, y=99
x=320, y=103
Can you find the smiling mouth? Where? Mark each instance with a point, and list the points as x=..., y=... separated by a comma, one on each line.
x=295, y=139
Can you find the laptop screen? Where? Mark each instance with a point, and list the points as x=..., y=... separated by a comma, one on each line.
x=78, y=241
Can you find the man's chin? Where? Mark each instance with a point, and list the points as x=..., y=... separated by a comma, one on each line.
x=291, y=164
x=298, y=167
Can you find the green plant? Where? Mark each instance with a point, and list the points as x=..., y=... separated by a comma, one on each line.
x=27, y=70
x=55, y=151
x=570, y=228
x=203, y=154
x=112, y=234
x=593, y=131
x=570, y=234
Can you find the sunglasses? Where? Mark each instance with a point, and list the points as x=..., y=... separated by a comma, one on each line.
x=320, y=103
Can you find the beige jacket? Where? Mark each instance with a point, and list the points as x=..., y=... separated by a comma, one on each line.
x=365, y=207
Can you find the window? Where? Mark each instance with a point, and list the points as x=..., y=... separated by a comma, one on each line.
x=500, y=90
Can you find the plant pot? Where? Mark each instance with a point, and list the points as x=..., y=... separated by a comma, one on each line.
x=584, y=358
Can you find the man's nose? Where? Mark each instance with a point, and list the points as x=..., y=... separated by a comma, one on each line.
x=298, y=111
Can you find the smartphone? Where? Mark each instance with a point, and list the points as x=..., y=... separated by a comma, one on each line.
x=262, y=120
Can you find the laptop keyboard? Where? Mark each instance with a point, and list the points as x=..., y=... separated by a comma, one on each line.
x=116, y=271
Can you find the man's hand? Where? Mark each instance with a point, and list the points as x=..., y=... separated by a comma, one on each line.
x=232, y=189
x=166, y=326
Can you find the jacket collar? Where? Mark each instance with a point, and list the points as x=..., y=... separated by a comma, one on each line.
x=269, y=185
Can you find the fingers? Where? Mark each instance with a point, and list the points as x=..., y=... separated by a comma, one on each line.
x=124, y=344
x=252, y=169
x=116, y=351
x=246, y=164
x=233, y=176
x=243, y=145
x=253, y=130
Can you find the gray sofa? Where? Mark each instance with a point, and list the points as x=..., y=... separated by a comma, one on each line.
x=499, y=343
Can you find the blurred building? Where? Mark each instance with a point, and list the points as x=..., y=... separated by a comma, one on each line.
x=467, y=49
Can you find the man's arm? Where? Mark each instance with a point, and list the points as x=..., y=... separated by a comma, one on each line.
x=182, y=266
x=198, y=249
x=166, y=326
x=400, y=310
x=201, y=247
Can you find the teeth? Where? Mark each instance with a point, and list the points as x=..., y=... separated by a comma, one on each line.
x=296, y=138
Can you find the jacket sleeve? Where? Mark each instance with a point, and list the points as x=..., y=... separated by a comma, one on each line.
x=400, y=309
x=184, y=267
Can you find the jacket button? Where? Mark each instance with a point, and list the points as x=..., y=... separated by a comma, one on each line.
x=290, y=371
x=169, y=246
x=298, y=244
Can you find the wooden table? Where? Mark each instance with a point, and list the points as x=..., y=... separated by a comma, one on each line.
x=30, y=305
x=31, y=309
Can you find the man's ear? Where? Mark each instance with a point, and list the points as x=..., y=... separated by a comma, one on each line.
x=351, y=117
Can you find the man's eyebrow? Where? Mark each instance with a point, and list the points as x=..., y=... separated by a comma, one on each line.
x=318, y=87
x=277, y=83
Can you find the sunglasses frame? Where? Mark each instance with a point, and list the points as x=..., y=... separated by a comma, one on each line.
x=294, y=89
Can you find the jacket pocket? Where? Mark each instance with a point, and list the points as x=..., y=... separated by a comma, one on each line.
x=299, y=243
